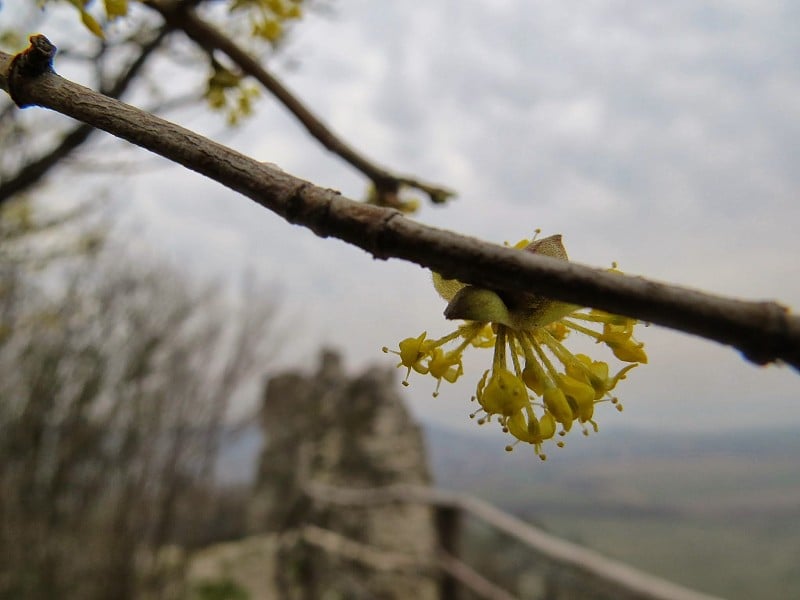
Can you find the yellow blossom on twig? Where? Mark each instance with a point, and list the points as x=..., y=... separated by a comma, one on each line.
x=536, y=387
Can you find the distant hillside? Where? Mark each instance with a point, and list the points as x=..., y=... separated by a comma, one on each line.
x=719, y=513
x=735, y=471
x=688, y=473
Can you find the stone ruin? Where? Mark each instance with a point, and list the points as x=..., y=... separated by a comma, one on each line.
x=348, y=432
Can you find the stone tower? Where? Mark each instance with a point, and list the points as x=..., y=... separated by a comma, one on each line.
x=350, y=432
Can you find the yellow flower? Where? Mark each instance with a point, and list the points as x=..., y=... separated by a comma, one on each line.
x=580, y=397
x=595, y=373
x=444, y=365
x=412, y=354
x=527, y=428
x=504, y=394
x=535, y=384
x=557, y=405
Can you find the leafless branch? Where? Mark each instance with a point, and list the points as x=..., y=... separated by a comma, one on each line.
x=35, y=170
x=113, y=400
x=181, y=16
x=471, y=579
x=370, y=556
x=763, y=331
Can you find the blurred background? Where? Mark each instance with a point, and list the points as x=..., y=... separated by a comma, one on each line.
x=144, y=308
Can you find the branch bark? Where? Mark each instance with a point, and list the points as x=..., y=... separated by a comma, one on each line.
x=763, y=331
x=181, y=16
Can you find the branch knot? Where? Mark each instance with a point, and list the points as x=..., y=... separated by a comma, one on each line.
x=35, y=60
x=778, y=341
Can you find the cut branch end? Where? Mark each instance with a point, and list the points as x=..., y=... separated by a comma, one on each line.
x=32, y=62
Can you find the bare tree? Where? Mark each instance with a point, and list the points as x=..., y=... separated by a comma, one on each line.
x=113, y=396
x=30, y=154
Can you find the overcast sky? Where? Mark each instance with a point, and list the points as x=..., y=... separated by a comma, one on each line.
x=662, y=135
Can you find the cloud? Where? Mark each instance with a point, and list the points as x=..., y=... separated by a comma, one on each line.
x=660, y=135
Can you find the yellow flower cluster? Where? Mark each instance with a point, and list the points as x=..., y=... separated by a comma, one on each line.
x=230, y=92
x=112, y=9
x=536, y=388
x=267, y=17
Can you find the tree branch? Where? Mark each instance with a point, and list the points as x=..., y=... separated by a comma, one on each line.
x=182, y=16
x=35, y=170
x=763, y=331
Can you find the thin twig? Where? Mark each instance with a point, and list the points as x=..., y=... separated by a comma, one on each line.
x=471, y=579
x=369, y=555
x=181, y=16
x=763, y=331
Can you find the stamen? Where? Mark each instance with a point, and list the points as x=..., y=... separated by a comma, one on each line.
x=499, y=361
x=514, y=357
x=527, y=348
x=564, y=356
x=583, y=330
x=549, y=365
x=532, y=362
x=443, y=340
x=600, y=317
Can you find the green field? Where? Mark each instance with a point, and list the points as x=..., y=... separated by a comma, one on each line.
x=746, y=559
